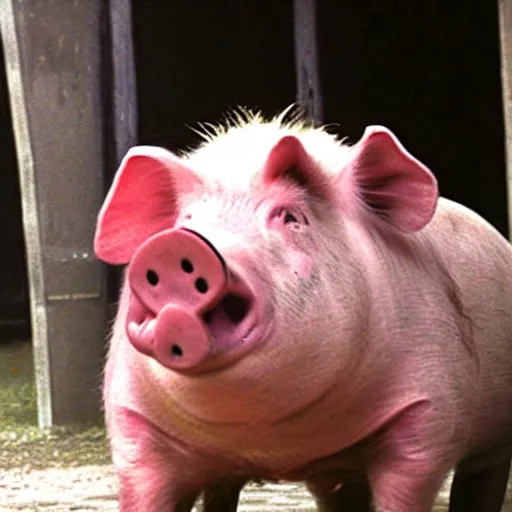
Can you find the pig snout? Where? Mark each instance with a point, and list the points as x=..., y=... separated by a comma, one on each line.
x=188, y=310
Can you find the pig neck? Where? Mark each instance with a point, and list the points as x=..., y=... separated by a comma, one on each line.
x=342, y=417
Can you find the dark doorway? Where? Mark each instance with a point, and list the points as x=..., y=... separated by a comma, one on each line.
x=195, y=60
x=430, y=71
x=14, y=298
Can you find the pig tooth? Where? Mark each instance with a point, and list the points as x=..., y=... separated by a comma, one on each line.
x=141, y=329
x=133, y=328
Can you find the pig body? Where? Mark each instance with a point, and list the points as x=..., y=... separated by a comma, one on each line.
x=379, y=355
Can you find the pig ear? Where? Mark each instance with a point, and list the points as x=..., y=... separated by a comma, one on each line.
x=391, y=183
x=141, y=201
x=289, y=160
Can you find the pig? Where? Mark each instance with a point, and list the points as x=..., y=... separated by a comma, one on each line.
x=298, y=308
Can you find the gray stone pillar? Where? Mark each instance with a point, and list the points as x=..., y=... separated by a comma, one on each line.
x=54, y=70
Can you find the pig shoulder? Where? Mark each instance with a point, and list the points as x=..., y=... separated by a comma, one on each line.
x=473, y=249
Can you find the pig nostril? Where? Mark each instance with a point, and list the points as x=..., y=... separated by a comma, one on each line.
x=152, y=277
x=201, y=285
x=176, y=350
x=187, y=266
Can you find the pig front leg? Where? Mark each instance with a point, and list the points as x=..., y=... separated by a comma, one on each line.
x=346, y=497
x=482, y=491
x=411, y=459
x=152, y=489
x=220, y=497
x=397, y=489
x=161, y=474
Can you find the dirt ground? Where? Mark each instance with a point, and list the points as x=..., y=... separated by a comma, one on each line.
x=94, y=488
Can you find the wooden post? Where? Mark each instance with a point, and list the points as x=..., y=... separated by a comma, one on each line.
x=123, y=119
x=124, y=82
x=505, y=15
x=306, y=59
x=53, y=64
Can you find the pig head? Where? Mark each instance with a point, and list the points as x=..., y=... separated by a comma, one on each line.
x=228, y=265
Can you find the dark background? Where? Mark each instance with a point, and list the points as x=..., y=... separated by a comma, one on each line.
x=429, y=70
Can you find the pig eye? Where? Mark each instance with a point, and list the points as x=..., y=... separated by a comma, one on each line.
x=289, y=216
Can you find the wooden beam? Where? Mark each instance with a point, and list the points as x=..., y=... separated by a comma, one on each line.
x=505, y=17
x=124, y=82
x=309, y=95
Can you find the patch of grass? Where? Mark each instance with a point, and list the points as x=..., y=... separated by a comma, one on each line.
x=32, y=448
x=22, y=443
x=17, y=403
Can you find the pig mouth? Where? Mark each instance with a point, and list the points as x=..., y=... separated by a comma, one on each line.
x=235, y=320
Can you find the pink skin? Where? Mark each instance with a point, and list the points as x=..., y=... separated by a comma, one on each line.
x=341, y=339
